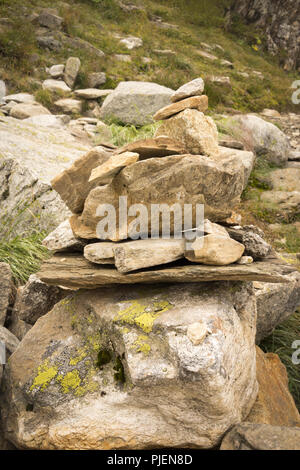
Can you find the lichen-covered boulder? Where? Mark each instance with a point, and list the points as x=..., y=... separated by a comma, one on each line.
x=133, y=368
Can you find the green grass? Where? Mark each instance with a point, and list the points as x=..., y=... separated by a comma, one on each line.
x=280, y=342
x=98, y=21
x=123, y=135
x=24, y=255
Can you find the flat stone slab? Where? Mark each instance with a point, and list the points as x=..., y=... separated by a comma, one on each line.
x=157, y=147
x=76, y=272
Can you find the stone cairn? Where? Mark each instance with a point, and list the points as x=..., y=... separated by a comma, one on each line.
x=182, y=164
x=148, y=365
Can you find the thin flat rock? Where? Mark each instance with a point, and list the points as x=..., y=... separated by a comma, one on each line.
x=76, y=272
x=158, y=147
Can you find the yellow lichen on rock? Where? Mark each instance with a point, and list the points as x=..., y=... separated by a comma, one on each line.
x=142, y=315
x=44, y=376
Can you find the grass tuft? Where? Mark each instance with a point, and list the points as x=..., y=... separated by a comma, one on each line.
x=24, y=255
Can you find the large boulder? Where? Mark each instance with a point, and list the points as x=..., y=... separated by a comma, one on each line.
x=30, y=157
x=135, y=102
x=275, y=303
x=183, y=179
x=99, y=370
x=27, y=110
x=259, y=136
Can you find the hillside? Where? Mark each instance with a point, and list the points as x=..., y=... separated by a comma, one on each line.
x=180, y=40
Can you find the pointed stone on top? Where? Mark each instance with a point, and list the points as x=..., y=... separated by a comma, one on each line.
x=193, y=88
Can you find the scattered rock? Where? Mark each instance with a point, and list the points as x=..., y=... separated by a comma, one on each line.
x=288, y=201
x=193, y=88
x=207, y=55
x=196, y=132
x=195, y=102
x=92, y=93
x=227, y=63
x=259, y=136
x=54, y=369
x=220, y=81
x=71, y=71
x=285, y=179
x=96, y=79
x=19, y=98
x=294, y=155
x=245, y=260
x=135, y=102
x=123, y=57
x=164, y=52
x=49, y=20
x=62, y=239
x=274, y=404
x=73, y=184
x=49, y=42
x=275, y=303
x=214, y=250
x=249, y=436
x=48, y=120
x=131, y=42
x=69, y=105
x=57, y=71
x=139, y=254
x=56, y=86
x=26, y=110
x=271, y=113
x=104, y=173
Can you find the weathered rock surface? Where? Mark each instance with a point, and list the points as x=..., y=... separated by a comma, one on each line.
x=131, y=42
x=275, y=303
x=254, y=244
x=69, y=105
x=2, y=89
x=274, y=404
x=104, y=173
x=152, y=148
x=92, y=93
x=71, y=71
x=36, y=298
x=112, y=345
x=50, y=20
x=10, y=341
x=193, y=88
x=278, y=22
x=288, y=201
x=96, y=79
x=214, y=250
x=56, y=85
x=76, y=272
x=234, y=158
x=285, y=179
x=139, y=254
x=73, y=184
x=17, y=327
x=259, y=136
x=19, y=98
x=195, y=102
x=27, y=110
x=62, y=239
x=100, y=253
x=135, y=102
x=57, y=71
x=32, y=156
x=7, y=291
x=183, y=179
x=249, y=436
x=196, y=132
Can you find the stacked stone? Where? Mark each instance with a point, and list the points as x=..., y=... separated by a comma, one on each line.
x=183, y=164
